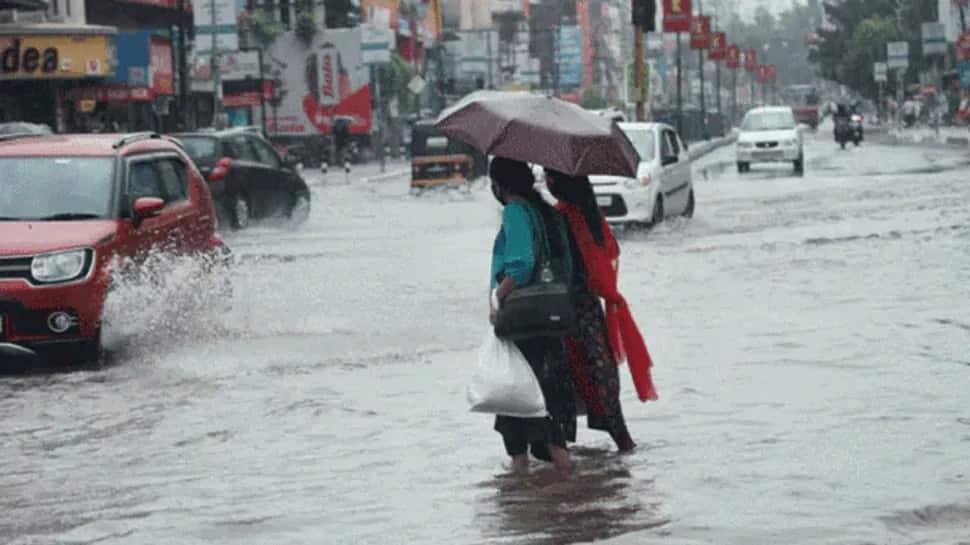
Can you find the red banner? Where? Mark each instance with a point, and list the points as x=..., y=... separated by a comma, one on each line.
x=772, y=73
x=751, y=60
x=163, y=75
x=700, y=32
x=676, y=16
x=719, y=49
x=733, y=57
x=963, y=47
x=767, y=73
x=249, y=98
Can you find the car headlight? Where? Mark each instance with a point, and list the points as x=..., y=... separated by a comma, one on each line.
x=789, y=143
x=60, y=266
x=630, y=183
x=745, y=145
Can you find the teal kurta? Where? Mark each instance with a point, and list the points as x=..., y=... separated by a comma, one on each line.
x=513, y=253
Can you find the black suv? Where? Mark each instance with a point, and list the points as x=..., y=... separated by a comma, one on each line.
x=248, y=179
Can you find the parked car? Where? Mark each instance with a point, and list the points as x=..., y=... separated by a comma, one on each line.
x=437, y=160
x=770, y=135
x=664, y=183
x=69, y=206
x=248, y=178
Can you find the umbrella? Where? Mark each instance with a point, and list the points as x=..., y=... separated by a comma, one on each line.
x=541, y=130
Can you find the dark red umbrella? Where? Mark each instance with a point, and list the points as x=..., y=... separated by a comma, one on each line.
x=541, y=130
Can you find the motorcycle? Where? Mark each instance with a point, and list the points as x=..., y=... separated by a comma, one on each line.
x=855, y=127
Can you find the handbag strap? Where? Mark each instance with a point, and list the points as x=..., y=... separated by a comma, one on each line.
x=544, y=254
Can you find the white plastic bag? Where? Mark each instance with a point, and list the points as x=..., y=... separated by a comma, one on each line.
x=504, y=383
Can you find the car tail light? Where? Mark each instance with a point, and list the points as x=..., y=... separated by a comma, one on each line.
x=415, y=169
x=221, y=170
x=645, y=180
x=457, y=168
x=857, y=117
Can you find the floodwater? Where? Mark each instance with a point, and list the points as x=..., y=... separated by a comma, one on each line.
x=811, y=344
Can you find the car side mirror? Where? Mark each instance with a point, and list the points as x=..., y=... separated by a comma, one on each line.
x=220, y=171
x=669, y=160
x=146, y=207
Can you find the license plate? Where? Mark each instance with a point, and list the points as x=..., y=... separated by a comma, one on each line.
x=604, y=200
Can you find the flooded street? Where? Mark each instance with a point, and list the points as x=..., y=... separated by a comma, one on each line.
x=810, y=338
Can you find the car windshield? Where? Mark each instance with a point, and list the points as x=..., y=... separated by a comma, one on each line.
x=643, y=141
x=55, y=188
x=199, y=147
x=768, y=121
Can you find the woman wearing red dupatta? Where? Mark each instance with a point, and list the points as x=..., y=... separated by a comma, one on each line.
x=603, y=339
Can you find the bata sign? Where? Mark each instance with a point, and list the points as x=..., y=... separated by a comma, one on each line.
x=48, y=57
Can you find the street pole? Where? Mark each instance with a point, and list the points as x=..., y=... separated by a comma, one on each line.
x=488, y=41
x=183, y=88
x=216, y=70
x=734, y=97
x=638, y=69
x=376, y=78
x=262, y=87
x=680, y=95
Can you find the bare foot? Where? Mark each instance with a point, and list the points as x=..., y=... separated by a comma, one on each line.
x=520, y=464
x=561, y=461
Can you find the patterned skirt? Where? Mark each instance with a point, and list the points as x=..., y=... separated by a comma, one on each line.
x=594, y=368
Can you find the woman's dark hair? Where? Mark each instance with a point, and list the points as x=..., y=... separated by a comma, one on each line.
x=516, y=178
x=577, y=191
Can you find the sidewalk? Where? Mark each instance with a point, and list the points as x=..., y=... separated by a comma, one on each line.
x=957, y=137
x=698, y=150
x=365, y=172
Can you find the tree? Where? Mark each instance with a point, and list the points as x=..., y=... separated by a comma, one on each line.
x=340, y=13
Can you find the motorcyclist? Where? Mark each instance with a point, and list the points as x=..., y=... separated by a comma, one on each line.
x=841, y=118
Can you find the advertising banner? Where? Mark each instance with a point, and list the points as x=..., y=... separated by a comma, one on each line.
x=319, y=83
x=162, y=74
x=380, y=13
x=700, y=33
x=56, y=56
x=570, y=48
x=751, y=60
x=718, y=50
x=733, y=57
x=676, y=15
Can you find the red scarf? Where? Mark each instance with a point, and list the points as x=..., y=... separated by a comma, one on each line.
x=602, y=267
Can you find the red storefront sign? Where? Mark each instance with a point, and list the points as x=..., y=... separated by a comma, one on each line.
x=719, y=48
x=733, y=57
x=751, y=60
x=963, y=47
x=250, y=98
x=700, y=33
x=163, y=75
x=677, y=16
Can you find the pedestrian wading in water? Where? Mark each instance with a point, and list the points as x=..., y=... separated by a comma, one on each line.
x=524, y=215
x=602, y=339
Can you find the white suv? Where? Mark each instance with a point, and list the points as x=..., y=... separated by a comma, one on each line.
x=770, y=135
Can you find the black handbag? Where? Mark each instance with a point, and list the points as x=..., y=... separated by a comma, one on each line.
x=545, y=307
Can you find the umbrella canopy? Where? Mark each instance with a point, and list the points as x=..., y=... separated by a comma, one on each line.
x=541, y=130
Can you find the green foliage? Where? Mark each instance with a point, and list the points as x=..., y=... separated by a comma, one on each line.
x=306, y=26
x=394, y=78
x=264, y=28
x=340, y=13
x=593, y=99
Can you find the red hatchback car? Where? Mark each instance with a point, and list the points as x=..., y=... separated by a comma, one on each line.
x=70, y=205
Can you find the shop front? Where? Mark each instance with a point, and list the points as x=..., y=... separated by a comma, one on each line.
x=39, y=62
x=244, y=91
x=138, y=97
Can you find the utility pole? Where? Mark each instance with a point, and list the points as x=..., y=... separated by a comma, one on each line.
x=182, y=64
x=680, y=92
x=700, y=68
x=216, y=69
x=638, y=70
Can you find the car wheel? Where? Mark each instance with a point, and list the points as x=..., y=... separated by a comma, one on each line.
x=240, y=212
x=800, y=165
x=743, y=167
x=658, y=212
x=689, y=211
x=842, y=143
x=92, y=353
x=300, y=211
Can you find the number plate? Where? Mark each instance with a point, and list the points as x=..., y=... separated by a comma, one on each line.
x=604, y=200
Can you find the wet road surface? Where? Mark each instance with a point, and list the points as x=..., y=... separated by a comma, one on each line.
x=810, y=336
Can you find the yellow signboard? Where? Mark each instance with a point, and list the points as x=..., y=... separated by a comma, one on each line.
x=55, y=57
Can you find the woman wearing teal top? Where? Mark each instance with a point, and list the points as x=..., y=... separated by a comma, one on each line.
x=513, y=265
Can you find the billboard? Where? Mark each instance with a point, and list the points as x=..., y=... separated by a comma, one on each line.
x=700, y=34
x=570, y=48
x=319, y=83
x=676, y=16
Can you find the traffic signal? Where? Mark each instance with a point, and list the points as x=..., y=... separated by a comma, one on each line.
x=645, y=14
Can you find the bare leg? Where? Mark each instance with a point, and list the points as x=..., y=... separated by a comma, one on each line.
x=520, y=463
x=560, y=459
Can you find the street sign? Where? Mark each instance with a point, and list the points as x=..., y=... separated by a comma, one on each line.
x=221, y=22
x=677, y=15
x=570, y=55
x=417, y=85
x=751, y=60
x=898, y=54
x=934, y=39
x=375, y=44
x=879, y=71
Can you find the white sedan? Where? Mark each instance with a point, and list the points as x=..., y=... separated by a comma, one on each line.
x=770, y=135
x=663, y=186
